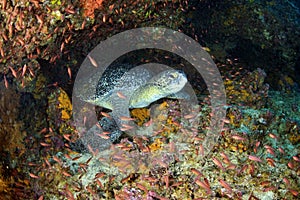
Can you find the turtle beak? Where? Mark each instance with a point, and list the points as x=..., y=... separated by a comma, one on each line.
x=182, y=73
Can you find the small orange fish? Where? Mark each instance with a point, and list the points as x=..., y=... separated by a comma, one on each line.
x=296, y=158
x=291, y=165
x=14, y=73
x=273, y=136
x=251, y=168
x=141, y=187
x=33, y=176
x=254, y=158
x=148, y=123
x=225, y=185
x=286, y=181
x=189, y=116
x=106, y=137
x=176, y=184
x=294, y=192
x=265, y=183
x=99, y=175
x=271, y=161
x=45, y=144
x=237, y=137
x=167, y=180
x=68, y=156
x=62, y=46
x=5, y=82
x=31, y=72
x=201, y=150
x=204, y=185
x=281, y=150
x=105, y=114
x=225, y=157
x=70, y=72
x=66, y=174
x=231, y=167
x=91, y=149
x=126, y=127
x=55, y=158
x=269, y=189
x=124, y=118
x=24, y=70
x=40, y=20
x=121, y=95
x=2, y=52
x=257, y=144
x=93, y=61
x=41, y=198
x=196, y=172
x=67, y=137
x=47, y=162
x=243, y=169
x=83, y=24
x=99, y=183
x=269, y=149
x=32, y=164
x=88, y=160
x=218, y=163
x=226, y=121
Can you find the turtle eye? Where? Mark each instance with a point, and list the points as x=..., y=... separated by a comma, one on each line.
x=172, y=75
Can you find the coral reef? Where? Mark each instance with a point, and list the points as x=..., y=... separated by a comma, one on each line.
x=89, y=7
x=42, y=44
x=32, y=30
x=35, y=32
x=249, y=90
x=286, y=84
x=59, y=108
x=257, y=146
x=256, y=157
x=10, y=124
x=141, y=115
x=263, y=34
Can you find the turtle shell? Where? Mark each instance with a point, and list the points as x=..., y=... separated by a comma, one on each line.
x=119, y=81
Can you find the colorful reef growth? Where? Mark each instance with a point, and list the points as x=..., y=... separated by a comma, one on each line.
x=255, y=46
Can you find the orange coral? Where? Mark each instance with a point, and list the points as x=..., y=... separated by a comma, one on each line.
x=65, y=105
x=141, y=115
x=59, y=111
x=156, y=145
x=89, y=6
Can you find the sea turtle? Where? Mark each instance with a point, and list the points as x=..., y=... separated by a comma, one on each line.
x=124, y=87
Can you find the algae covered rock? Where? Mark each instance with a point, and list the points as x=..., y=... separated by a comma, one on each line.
x=59, y=111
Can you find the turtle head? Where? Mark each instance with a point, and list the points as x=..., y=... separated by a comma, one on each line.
x=169, y=81
x=162, y=85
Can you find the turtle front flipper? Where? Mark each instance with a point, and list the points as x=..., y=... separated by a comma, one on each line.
x=179, y=95
x=121, y=96
x=104, y=102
